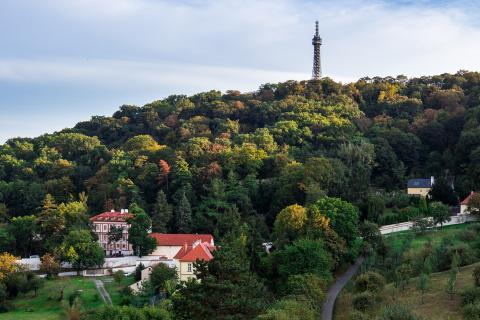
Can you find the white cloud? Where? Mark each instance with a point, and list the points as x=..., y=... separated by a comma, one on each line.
x=134, y=51
x=138, y=74
x=360, y=38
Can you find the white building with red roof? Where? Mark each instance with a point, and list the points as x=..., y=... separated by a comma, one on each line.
x=184, y=249
x=168, y=244
x=103, y=223
x=464, y=204
x=190, y=254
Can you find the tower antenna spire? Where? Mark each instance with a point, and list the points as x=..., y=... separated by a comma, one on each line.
x=316, y=42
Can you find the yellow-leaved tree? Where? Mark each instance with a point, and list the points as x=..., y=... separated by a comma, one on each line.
x=7, y=264
x=290, y=222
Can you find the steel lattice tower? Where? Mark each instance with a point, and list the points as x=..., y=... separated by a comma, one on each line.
x=316, y=42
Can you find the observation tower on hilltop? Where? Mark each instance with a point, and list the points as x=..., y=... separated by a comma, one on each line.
x=317, y=66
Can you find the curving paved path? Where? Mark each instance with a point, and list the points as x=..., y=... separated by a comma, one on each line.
x=103, y=293
x=334, y=290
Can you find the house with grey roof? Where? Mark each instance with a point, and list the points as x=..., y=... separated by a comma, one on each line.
x=420, y=187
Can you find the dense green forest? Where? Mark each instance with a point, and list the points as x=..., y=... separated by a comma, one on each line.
x=283, y=144
x=296, y=163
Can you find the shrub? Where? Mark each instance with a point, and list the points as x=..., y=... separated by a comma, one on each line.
x=446, y=250
x=161, y=273
x=470, y=295
x=72, y=297
x=468, y=235
x=126, y=296
x=465, y=252
x=369, y=281
x=308, y=285
x=73, y=310
x=112, y=312
x=54, y=294
x=363, y=301
x=16, y=283
x=397, y=312
x=304, y=256
x=118, y=276
x=288, y=309
x=475, y=227
x=357, y=315
x=472, y=311
x=421, y=225
x=155, y=313
x=50, y=266
x=5, y=305
x=476, y=276
x=132, y=313
x=138, y=272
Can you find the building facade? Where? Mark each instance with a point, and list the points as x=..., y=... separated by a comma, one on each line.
x=103, y=223
x=186, y=257
x=420, y=187
x=169, y=244
x=184, y=249
x=464, y=204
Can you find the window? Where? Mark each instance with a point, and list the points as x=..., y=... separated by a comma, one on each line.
x=189, y=267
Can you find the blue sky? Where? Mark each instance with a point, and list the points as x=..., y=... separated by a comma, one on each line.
x=62, y=61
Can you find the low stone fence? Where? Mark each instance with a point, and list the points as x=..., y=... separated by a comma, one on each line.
x=404, y=226
x=125, y=264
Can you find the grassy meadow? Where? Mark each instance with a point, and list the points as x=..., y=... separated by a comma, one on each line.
x=47, y=306
x=437, y=303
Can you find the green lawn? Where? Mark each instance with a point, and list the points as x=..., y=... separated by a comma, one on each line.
x=42, y=307
x=115, y=289
x=435, y=236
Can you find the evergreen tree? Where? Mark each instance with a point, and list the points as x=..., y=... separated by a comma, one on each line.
x=212, y=207
x=422, y=284
x=442, y=191
x=142, y=243
x=51, y=224
x=226, y=290
x=183, y=215
x=450, y=287
x=162, y=213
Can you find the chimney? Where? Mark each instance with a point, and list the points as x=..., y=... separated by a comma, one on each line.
x=126, y=210
x=432, y=180
x=196, y=243
x=113, y=210
x=122, y=210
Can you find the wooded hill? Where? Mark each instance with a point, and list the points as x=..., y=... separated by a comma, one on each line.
x=282, y=164
x=285, y=143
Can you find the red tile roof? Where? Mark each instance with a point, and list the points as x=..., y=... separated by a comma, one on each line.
x=172, y=239
x=203, y=251
x=467, y=199
x=112, y=216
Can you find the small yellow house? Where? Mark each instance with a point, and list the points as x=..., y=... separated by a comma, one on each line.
x=420, y=187
x=183, y=262
x=188, y=255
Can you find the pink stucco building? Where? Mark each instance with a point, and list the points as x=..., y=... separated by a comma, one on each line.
x=103, y=222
